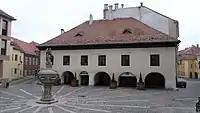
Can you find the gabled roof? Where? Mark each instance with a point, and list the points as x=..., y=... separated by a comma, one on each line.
x=28, y=48
x=189, y=53
x=2, y=13
x=110, y=32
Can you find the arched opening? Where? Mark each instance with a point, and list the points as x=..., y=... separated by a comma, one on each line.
x=127, y=79
x=102, y=79
x=190, y=74
x=154, y=80
x=84, y=77
x=196, y=75
x=68, y=77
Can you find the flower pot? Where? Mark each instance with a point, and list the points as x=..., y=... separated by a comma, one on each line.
x=140, y=86
x=74, y=83
x=113, y=85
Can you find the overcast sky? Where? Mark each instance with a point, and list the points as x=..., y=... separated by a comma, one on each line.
x=41, y=20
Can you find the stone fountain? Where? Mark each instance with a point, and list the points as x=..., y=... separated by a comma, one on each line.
x=48, y=77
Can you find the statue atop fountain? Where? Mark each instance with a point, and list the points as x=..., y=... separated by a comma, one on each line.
x=48, y=77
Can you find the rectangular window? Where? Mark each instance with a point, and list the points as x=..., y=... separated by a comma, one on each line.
x=36, y=61
x=20, y=58
x=191, y=65
x=125, y=60
x=52, y=60
x=20, y=72
x=154, y=60
x=15, y=71
x=29, y=60
x=84, y=60
x=66, y=60
x=3, y=46
x=102, y=60
x=26, y=60
x=5, y=27
x=33, y=61
x=16, y=57
x=12, y=57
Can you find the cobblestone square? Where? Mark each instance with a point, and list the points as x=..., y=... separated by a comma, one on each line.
x=21, y=98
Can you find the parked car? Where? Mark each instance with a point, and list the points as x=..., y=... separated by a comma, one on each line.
x=181, y=83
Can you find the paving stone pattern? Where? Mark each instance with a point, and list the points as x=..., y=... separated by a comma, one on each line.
x=21, y=98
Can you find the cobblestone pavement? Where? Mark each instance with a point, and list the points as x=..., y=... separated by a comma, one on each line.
x=22, y=98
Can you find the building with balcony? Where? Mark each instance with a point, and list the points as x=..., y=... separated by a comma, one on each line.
x=96, y=50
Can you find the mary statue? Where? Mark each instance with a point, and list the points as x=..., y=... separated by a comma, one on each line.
x=49, y=58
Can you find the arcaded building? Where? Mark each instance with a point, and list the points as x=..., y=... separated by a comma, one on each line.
x=96, y=50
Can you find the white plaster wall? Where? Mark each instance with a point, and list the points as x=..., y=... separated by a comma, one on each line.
x=139, y=62
x=146, y=16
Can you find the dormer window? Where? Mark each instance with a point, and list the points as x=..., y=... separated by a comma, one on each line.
x=127, y=31
x=79, y=34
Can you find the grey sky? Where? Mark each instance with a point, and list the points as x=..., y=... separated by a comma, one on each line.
x=41, y=20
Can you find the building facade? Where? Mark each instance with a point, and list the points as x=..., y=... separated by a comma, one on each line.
x=16, y=61
x=144, y=14
x=96, y=50
x=188, y=62
x=5, y=39
x=31, y=57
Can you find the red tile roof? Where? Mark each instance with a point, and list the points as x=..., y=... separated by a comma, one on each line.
x=189, y=53
x=109, y=32
x=28, y=48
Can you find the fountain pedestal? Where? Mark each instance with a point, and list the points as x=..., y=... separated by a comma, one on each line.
x=48, y=77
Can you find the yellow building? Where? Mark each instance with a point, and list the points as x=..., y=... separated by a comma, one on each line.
x=188, y=64
x=16, y=62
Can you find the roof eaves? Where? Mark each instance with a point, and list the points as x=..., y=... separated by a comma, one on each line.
x=4, y=14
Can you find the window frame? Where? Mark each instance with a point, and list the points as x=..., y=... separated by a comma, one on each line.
x=15, y=70
x=29, y=62
x=66, y=60
x=101, y=60
x=157, y=58
x=123, y=60
x=16, y=57
x=84, y=63
x=3, y=49
x=4, y=31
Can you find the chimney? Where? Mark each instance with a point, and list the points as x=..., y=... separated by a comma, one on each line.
x=110, y=13
x=116, y=6
x=105, y=6
x=110, y=8
x=105, y=10
x=62, y=31
x=122, y=5
x=91, y=19
x=141, y=4
x=197, y=45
